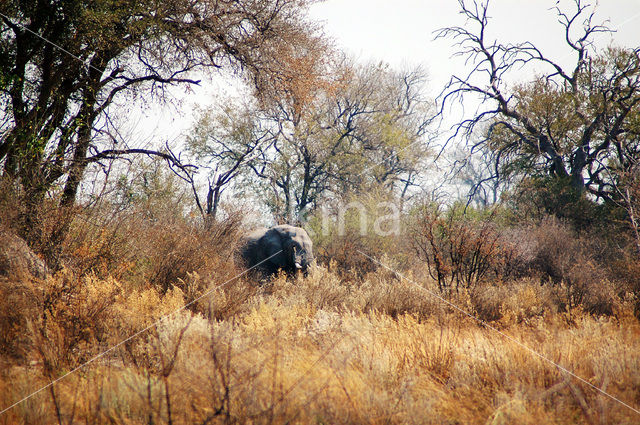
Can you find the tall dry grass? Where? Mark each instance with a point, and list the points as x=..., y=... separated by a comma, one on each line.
x=323, y=350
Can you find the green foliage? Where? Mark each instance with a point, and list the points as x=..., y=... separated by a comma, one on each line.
x=537, y=198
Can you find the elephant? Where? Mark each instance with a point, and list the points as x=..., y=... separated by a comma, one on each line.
x=282, y=247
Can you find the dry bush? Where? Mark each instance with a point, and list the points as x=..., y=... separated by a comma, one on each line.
x=340, y=253
x=20, y=302
x=17, y=260
x=100, y=245
x=460, y=251
x=378, y=291
x=338, y=346
x=322, y=289
x=626, y=269
x=173, y=250
x=42, y=228
x=219, y=299
x=625, y=264
x=74, y=321
x=136, y=309
x=142, y=229
x=63, y=322
x=394, y=296
x=324, y=350
x=162, y=252
x=570, y=263
x=557, y=250
x=66, y=319
x=399, y=297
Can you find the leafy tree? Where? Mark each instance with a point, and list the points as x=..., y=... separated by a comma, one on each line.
x=151, y=192
x=366, y=125
x=63, y=65
x=576, y=125
x=330, y=127
x=225, y=144
x=386, y=114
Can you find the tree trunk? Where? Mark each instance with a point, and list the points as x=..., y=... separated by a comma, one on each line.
x=31, y=226
x=213, y=202
x=70, y=191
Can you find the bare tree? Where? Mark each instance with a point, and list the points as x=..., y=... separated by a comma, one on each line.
x=478, y=175
x=628, y=188
x=573, y=124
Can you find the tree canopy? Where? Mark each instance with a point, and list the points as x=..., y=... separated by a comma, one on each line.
x=63, y=64
x=352, y=128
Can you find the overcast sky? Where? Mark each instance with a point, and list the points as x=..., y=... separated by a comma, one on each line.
x=402, y=31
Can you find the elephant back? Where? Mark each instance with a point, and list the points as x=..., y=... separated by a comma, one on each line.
x=281, y=247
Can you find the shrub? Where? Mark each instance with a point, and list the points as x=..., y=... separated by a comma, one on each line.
x=459, y=250
x=17, y=259
x=19, y=303
x=42, y=228
x=75, y=318
x=161, y=252
x=516, y=301
x=573, y=263
x=537, y=198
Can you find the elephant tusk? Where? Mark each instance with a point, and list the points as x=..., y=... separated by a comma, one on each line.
x=298, y=265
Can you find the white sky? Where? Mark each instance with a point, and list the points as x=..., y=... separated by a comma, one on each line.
x=401, y=33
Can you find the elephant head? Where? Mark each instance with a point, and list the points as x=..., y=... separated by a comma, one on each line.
x=298, y=249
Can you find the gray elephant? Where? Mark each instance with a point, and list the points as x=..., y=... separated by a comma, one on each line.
x=281, y=247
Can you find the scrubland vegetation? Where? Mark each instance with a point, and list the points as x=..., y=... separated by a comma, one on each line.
x=346, y=344
x=122, y=298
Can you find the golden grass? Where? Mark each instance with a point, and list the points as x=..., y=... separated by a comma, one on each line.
x=321, y=350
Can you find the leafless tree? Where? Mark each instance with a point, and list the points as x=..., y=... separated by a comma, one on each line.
x=573, y=124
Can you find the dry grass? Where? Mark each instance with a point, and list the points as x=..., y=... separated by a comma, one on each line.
x=322, y=350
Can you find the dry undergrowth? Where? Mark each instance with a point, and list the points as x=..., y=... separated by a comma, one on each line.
x=343, y=345
x=320, y=350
